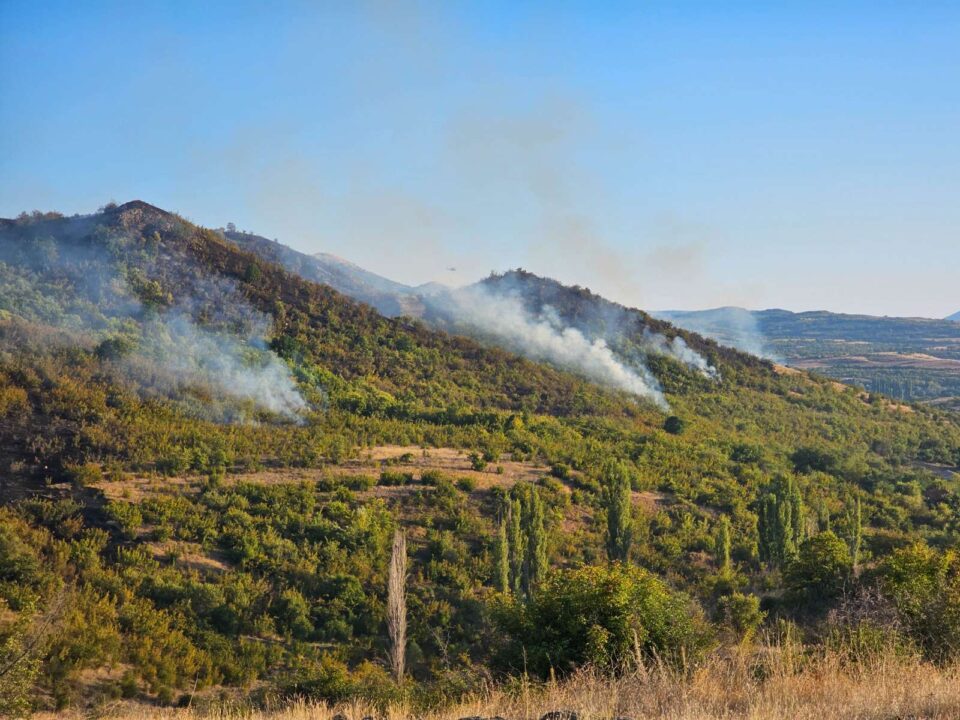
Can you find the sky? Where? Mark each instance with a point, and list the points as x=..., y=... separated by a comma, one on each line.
x=668, y=155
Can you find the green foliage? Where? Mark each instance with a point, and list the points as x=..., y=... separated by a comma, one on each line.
x=220, y=578
x=674, y=425
x=781, y=522
x=924, y=586
x=600, y=616
x=818, y=573
x=741, y=614
x=617, y=503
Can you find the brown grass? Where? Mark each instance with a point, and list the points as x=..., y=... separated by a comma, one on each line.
x=768, y=684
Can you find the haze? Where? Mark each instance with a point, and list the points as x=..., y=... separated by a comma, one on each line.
x=800, y=156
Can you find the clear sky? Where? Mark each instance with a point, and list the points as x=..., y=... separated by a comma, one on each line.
x=667, y=154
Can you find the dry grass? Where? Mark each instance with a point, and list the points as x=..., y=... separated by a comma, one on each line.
x=729, y=687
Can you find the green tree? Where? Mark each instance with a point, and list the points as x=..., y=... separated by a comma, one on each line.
x=535, y=562
x=616, y=499
x=819, y=571
x=854, y=534
x=601, y=616
x=781, y=522
x=516, y=546
x=723, y=543
x=501, y=560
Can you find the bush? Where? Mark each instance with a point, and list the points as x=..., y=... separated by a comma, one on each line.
x=924, y=586
x=819, y=572
x=674, y=425
x=466, y=484
x=742, y=614
x=359, y=482
x=598, y=615
x=477, y=461
x=394, y=478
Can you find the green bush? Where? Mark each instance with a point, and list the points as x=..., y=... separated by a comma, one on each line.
x=599, y=616
x=395, y=478
x=924, y=586
x=819, y=573
x=466, y=484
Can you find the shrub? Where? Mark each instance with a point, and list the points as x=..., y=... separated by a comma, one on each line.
x=477, y=461
x=466, y=484
x=742, y=614
x=359, y=482
x=924, y=586
x=394, y=477
x=599, y=615
x=674, y=425
x=819, y=572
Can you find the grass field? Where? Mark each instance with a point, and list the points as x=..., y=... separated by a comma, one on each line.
x=764, y=684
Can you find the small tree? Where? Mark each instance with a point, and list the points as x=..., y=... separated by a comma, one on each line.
x=397, y=605
x=723, y=543
x=535, y=565
x=819, y=572
x=502, y=557
x=616, y=501
x=516, y=546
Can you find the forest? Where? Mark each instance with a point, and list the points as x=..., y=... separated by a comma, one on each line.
x=208, y=461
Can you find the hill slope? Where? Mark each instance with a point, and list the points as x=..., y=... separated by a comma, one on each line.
x=205, y=458
x=955, y=317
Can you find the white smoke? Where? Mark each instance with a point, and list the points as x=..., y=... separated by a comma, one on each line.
x=733, y=327
x=681, y=352
x=238, y=366
x=506, y=320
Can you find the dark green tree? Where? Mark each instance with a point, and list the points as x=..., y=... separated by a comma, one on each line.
x=616, y=501
x=781, y=522
x=502, y=556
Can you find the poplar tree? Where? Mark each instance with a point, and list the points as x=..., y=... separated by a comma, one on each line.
x=535, y=565
x=516, y=546
x=855, y=531
x=781, y=522
x=723, y=543
x=502, y=556
x=616, y=501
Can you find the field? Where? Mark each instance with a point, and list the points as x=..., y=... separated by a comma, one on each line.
x=770, y=683
x=913, y=359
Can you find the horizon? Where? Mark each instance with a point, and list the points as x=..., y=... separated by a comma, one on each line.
x=796, y=158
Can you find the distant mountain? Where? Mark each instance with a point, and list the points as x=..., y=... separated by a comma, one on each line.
x=955, y=317
x=908, y=358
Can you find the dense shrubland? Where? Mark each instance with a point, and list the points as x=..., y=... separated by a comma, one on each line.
x=765, y=502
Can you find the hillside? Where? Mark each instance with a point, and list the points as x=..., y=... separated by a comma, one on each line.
x=388, y=297
x=206, y=456
x=954, y=318
x=913, y=359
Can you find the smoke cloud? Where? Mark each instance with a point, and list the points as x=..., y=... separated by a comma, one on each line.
x=731, y=326
x=506, y=320
x=206, y=350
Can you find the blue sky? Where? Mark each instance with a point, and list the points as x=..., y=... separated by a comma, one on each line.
x=668, y=155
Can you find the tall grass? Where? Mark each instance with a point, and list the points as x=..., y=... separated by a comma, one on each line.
x=769, y=683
